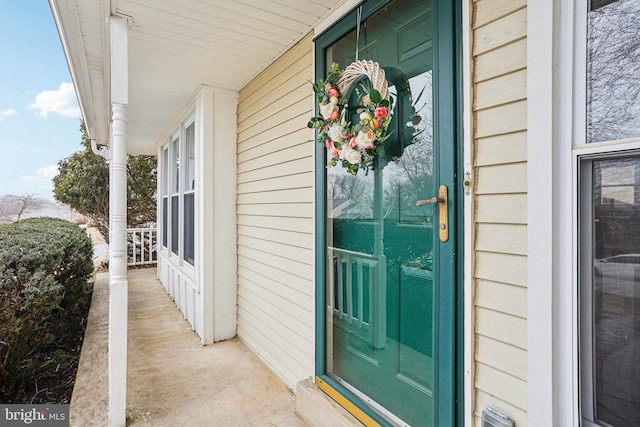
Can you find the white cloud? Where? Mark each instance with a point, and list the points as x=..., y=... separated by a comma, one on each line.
x=62, y=102
x=47, y=172
x=7, y=113
x=44, y=174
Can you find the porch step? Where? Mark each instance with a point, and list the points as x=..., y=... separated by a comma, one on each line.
x=317, y=409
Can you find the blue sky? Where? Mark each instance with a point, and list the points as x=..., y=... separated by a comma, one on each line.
x=39, y=114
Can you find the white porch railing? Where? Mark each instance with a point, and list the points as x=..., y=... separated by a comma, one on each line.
x=142, y=246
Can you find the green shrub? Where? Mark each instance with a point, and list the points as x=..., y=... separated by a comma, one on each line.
x=45, y=265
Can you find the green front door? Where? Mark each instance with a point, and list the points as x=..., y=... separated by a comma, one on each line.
x=388, y=286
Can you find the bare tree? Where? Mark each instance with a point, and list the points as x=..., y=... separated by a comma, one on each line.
x=355, y=191
x=613, y=72
x=13, y=207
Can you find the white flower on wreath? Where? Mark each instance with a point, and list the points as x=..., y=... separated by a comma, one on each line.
x=326, y=110
x=335, y=132
x=365, y=139
x=350, y=155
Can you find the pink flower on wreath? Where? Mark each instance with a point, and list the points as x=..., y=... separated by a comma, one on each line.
x=333, y=92
x=380, y=113
x=332, y=149
x=353, y=142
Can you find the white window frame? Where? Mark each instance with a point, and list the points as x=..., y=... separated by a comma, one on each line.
x=585, y=153
x=556, y=116
x=552, y=303
x=164, y=194
x=174, y=191
x=178, y=189
x=191, y=121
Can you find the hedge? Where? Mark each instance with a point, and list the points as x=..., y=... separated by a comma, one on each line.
x=45, y=265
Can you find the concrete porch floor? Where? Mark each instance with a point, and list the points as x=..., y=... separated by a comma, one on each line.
x=172, y=379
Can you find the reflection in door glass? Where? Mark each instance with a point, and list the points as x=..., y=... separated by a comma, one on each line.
x=616, y=291
x=379, y=267
x=613, y=70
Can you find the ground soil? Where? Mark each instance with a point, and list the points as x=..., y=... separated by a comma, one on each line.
x=55, y=385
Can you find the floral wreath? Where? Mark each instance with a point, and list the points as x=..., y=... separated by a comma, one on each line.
x=353, y=145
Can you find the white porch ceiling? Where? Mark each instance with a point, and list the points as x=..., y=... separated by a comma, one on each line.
x=175, y=46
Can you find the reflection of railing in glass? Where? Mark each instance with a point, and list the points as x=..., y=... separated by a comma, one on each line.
x=358, y=292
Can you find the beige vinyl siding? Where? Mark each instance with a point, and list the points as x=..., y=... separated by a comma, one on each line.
x=275, y=216
x=500, y=248
x=487, y=11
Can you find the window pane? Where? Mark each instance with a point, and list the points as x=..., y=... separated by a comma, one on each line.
x=190, y=161
x=616, y=291
x=165, y=220
x=189, y=228
x=165, y=171
x=175, y=221
x=613, y=70
x=176, y=165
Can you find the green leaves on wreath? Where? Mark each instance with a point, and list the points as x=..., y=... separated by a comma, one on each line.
x=315, y=123
x=375, y=96
x=351, y=169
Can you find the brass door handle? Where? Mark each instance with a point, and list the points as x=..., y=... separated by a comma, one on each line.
x=443, y=201
x=429, y=201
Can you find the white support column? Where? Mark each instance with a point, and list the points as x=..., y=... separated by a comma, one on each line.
x=118, y=283
x=217, y=262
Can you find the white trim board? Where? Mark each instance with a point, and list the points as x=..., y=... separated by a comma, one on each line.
x=469, y=218
x=540, y=191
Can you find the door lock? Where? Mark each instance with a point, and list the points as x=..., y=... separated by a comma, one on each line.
x=443, y=216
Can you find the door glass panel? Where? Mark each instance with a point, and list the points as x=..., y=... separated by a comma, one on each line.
x=380, y=279
x=615, y=309
x=613, y=70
